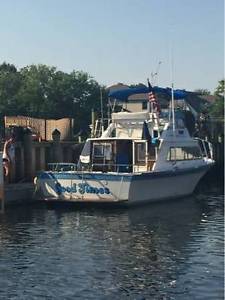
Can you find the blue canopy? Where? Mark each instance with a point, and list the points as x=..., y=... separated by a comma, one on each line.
x=125, y=93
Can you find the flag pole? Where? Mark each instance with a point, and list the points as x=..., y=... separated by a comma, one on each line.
x=148, y=103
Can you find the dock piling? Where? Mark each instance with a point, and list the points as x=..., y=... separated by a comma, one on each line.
x=2, y=195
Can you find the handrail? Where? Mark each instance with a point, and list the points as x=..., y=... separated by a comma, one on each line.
x=206, y=153
x=63, y=167
x=67, y=167
x=116, y=166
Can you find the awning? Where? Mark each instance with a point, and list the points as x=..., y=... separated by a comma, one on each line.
x=122, y=95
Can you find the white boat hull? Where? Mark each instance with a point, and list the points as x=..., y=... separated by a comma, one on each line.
x=117, y=187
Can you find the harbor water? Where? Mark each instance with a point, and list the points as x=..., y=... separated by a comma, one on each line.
x=170, y=250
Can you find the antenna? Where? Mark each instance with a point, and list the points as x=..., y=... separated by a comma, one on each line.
x=149, y=108
x=155, y=75
x=102, y=116
x=172, y=89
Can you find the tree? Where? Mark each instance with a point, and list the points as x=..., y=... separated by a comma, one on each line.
x=49, y=93
x=45, y=92
x=10, y=83
x=220, y=89
x=217, y=109
x=85, y=93
x=36, y=89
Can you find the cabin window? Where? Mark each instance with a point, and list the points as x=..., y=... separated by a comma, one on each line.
x=98, y=150
x=144, y=105
x=140, y=153
x=155, y=133
x=184, y=153
x=103, y=150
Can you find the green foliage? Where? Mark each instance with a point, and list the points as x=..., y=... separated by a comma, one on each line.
x=220, y=89
x=44, y=92
x=10, y=82
x=217, y=109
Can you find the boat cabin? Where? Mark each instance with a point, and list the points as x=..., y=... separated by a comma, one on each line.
x=118, y=155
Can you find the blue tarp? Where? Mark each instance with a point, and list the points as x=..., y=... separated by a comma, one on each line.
x=123, y=94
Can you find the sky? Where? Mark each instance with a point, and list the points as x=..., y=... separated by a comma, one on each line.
x=115, y=41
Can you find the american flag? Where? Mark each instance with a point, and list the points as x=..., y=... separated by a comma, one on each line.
x=152, y=99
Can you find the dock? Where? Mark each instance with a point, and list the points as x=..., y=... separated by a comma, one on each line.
x=31, y=157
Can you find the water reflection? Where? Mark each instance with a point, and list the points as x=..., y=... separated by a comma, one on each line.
x=143, y=252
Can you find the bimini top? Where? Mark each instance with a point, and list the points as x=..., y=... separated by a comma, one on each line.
x=123, y=94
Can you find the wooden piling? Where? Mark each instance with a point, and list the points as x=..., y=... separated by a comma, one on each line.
x=2, y=193
x=56, y=147
x=29, y=156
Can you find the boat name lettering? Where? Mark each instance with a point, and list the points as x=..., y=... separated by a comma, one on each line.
x=82, y=188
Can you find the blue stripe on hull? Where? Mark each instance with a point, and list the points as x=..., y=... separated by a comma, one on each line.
x=118, y=176
x=84, y=176
x=163, y=174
